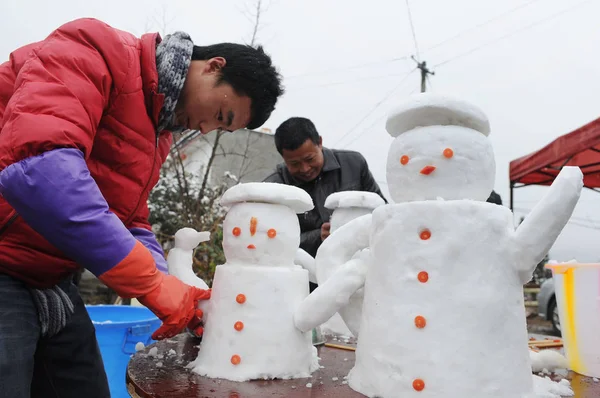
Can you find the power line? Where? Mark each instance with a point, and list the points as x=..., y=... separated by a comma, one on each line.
x=388, y=95
x=462, y=32
x=412, y=28
x=513, y=33
x=372, y=124
x=347, y=81
x=327, y=71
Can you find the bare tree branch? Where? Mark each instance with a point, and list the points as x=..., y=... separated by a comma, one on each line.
x=257, y=22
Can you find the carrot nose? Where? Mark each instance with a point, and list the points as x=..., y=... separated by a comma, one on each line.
x=251, y=247
x=427, y=170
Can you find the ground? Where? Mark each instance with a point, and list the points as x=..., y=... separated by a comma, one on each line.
x=536, y=324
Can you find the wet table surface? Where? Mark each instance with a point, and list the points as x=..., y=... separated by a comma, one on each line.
x=165, y=375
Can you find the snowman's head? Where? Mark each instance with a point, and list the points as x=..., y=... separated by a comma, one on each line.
x=261, y=226
x=348, y=205
x=440, y=150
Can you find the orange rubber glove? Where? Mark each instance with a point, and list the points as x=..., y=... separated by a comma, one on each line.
x=171, y=300
x=175, y=303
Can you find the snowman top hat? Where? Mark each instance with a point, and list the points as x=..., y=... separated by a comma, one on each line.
x=345, y=199
x=268, y=192
x=428, y=109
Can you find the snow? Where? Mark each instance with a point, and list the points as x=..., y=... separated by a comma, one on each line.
x=266, y=192
x=434, y=110
x=153, y=352
x=547, y=361
x=544, y=387
x=422, y=261
x=139, y=346
x=309, y=385
x=346, y=199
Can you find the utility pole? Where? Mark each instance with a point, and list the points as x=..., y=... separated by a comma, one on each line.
x=424, y=73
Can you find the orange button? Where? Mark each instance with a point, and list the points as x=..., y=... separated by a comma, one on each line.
x=271, y=233
x=236, y=231
x=240, y=298
x=420, y=322
x=425, y=234
x=448, y=153
x=418, y=385
x=235, y=359
x=404, y=160
x=423, y=276
x=238, y=326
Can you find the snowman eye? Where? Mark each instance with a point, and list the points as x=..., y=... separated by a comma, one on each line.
x=272, y=233
x=404, y=160
x=236, y=231
x=448, y=153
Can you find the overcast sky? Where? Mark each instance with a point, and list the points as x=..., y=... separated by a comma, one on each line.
x=531, y=65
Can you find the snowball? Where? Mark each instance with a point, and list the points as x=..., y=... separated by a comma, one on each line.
x=139, y=346
x=309, y=385
x=153, y=352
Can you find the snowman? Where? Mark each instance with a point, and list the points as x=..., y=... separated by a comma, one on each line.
x=346, y=206
x=443, y=311
x=249, y=330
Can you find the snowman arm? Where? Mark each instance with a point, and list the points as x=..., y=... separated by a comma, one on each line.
x=307, y=262
x=332, y=295
x=540, y=229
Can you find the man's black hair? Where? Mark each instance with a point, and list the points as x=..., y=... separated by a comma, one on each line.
x=249, y=71
x=294, y=132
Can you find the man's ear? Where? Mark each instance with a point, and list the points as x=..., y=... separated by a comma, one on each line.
x=214, y=65
x=320, y=141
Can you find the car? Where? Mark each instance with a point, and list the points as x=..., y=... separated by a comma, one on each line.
x=547, y=308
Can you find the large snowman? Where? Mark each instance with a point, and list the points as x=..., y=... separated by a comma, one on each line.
x=442, y=270
x=249, y=330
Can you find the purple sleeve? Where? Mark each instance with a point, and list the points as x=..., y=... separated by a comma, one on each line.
x=56, y=195
x=148, y=239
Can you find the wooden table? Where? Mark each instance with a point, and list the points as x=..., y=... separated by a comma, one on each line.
x=166, y=376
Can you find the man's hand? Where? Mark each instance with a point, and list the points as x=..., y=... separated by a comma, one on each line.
x=175, y=304
x=325, y=230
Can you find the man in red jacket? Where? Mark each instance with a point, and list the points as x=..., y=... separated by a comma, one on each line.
x=86, y=117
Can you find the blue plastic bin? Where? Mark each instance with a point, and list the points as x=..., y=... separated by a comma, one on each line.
x=118, y=329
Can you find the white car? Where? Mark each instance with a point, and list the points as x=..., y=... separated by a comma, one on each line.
x=547, y=308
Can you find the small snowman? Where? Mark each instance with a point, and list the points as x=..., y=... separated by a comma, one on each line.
x=249, y=331
x=346, y=206
x=442, y=270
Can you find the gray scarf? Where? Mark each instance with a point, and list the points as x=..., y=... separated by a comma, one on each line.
x=173, y=58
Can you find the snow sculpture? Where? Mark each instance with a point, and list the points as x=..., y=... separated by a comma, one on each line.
x=442, y=270
x=249, y=330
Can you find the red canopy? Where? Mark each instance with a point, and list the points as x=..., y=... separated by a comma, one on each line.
x=578, y=148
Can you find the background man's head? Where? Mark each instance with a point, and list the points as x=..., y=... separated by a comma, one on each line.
x=228, y=86
x=301, y=147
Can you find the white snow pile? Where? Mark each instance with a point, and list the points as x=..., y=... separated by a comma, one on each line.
x=546, y=388
x=548, y=360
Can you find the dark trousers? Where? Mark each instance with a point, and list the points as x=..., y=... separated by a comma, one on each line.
x=65, y=365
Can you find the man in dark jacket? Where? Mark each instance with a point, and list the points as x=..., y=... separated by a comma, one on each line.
x=320, y=172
